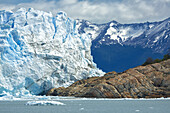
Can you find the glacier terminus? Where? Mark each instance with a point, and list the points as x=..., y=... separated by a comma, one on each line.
x=39, y=51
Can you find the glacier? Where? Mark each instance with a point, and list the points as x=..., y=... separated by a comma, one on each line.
x=39, y=51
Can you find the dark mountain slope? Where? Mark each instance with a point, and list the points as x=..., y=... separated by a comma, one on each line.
x=119, y=47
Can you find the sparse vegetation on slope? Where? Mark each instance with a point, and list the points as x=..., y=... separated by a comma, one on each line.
x=151, y=61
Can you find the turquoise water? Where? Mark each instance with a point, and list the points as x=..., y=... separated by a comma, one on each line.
x=90, y=106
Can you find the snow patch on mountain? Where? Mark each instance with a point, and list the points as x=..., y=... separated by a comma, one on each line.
x=93, y=30
x=147, y=35
x=118, y=47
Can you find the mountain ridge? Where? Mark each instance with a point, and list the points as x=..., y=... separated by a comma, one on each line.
x=151, y=38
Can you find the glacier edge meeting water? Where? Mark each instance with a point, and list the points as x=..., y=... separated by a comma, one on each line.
x=39, y=52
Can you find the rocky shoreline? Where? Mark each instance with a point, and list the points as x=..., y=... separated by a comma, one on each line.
x=150, y=81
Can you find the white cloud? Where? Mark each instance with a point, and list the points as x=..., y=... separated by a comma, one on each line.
x=68, y=2
x=7, y=7
x=126, y=11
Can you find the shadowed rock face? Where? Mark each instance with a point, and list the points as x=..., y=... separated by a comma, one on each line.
x=151, y=81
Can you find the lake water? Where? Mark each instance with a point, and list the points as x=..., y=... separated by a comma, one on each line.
x=89, y=106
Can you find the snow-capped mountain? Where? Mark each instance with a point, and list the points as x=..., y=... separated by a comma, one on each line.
x=117, y=46
x=39, y=51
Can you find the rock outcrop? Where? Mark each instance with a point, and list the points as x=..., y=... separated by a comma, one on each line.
x=151, y=81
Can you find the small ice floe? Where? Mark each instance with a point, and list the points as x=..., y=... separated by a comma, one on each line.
x=137, y=110
x=81, y=109
x=43, y=103
x=151, y=107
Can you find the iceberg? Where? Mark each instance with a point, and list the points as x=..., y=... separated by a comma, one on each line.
x=43, y=103
x=39, y=51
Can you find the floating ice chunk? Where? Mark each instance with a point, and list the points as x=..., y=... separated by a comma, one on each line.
x=137, y=110
x=43, y=103
x=151, y=107
x=81, y=109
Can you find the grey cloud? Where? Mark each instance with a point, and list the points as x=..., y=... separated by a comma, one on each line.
x=124, y=11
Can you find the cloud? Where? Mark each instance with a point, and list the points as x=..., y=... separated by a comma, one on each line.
x=68, y=2
x=102, y=11
x=7, y=7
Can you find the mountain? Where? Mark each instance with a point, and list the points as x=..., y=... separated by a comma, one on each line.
x=150, y=81
x=118, y=47
x=39, y=51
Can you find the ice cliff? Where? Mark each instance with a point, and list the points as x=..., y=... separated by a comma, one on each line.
x=39, y=51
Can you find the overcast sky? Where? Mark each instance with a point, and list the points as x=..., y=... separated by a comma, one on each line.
x=99, y=11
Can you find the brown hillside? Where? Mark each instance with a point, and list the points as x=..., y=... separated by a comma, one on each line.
x=149, y=81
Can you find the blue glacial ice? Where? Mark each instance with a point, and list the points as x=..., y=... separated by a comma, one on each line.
x=39, y=51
